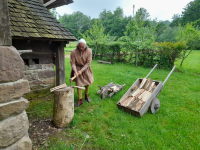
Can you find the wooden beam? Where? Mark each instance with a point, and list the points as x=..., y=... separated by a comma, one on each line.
x=49, y=3
x=60, y=65
x=24, y=51
x=5, y=36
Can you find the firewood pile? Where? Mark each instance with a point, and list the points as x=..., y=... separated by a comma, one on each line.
x=109, y=90
x=139, y=95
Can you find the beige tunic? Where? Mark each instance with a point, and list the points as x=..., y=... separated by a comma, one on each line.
x=80, y=61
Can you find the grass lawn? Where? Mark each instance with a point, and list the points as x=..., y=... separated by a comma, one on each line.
x=175, y=126
x=192, y=63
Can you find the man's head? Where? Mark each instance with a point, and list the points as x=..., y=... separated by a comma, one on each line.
x=81, y=45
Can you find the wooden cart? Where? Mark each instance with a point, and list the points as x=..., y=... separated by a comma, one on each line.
x=142, y=95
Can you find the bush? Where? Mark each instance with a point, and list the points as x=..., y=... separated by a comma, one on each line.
x=108, y=51
x=168, y=52
x=164, y=53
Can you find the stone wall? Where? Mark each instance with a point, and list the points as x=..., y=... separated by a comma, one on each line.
x=40, y=76
x=14, y=122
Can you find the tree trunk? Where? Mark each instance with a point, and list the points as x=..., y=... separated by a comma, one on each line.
x=184, y=57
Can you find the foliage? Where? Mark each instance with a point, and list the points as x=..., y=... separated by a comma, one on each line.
x=176, y=20
x=77, y=23
x=168, y=34
x=54, y=13
x=139, y=35
x=109, y=51
x=192, y=12
x=141, y=15
x=114, y=23
x=168, y=52
x=196, y=24
x=190, y=35
x=95, y=35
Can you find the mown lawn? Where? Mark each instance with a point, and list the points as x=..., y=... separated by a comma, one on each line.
x=100, y=125
x=192, y=63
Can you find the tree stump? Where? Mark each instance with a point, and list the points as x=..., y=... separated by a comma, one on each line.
x=63, y=111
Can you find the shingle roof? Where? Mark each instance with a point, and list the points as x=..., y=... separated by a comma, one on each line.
x=30, y=19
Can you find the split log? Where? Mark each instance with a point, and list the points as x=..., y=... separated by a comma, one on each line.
x=109, y=90
x=58, y=87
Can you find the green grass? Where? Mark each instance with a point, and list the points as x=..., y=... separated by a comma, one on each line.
x=175, y=126
x=192, y=63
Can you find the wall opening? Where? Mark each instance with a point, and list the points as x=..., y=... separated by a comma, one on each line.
x=36, y=61
x=26, y=62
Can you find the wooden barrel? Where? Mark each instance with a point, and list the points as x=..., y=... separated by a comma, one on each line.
x=63, y=110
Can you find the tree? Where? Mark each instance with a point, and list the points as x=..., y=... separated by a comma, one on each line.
x=168, y=35
x=191, y=12
x=176, y=20
x=76, y=23
x=191, y=37
x=142, y=15
x=96, y=35
x=114, y=23
x=54, y=13
x=139, y=34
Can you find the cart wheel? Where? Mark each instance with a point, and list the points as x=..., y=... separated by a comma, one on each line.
x=155, y=105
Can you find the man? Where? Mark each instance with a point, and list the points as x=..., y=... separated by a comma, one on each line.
x=80, y=60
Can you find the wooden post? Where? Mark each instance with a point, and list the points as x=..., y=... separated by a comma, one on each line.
x=5, y=36
x=60, y=65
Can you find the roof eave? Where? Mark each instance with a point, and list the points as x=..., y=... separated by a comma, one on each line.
x=45, y=39
x=59, y=3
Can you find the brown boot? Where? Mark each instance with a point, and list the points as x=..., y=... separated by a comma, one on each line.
x=87, y=98
x=80, y=102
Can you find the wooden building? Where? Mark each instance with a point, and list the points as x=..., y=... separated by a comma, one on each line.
x=40, y=39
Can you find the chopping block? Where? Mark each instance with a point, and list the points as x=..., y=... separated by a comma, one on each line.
x=63, y=108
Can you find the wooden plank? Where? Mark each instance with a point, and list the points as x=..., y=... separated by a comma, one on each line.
x=60, y=65
x=5, y=35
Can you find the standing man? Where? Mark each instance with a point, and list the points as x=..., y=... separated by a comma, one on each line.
x=80, y=60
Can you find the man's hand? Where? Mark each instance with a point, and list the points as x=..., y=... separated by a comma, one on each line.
x=76, y=73
x=79, y=72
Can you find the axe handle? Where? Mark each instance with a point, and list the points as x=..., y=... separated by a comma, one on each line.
x=79, y=87
x=74, y=77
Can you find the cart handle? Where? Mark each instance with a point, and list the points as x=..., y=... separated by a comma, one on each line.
x=169, y=75
x=151, y=70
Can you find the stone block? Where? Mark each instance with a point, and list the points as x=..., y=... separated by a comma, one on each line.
x=11, y=64
x=13, y=107
x=23, y=144
x=12, y=90
x=13, y=129
x=46, y=73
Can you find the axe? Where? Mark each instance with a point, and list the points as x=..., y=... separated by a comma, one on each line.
x=79, y=87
